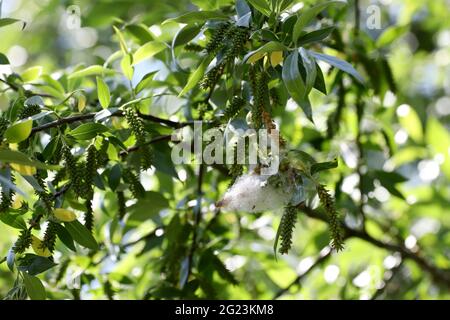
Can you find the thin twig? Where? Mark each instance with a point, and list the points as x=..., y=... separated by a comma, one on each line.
x=123, y=153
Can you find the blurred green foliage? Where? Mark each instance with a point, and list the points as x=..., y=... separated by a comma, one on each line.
x=391, y=136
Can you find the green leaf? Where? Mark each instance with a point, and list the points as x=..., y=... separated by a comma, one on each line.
x=257, y=54
x=148, y=50
x=338, y=63
x=123, y=44
x=145, y=81
x=140, y=32
x=185, y=34
x=438, y=140
x=321, y=166
x=65, y=237
x=81, y=235
x=198, y=16
x=103, y=93
x=34, y=286
x=319, y=84
x=3, y=59
x=88, y=131
x=95, y=70
x=127, y=66
x=295, y=85
x=19, y=131
x=262, y=6
x=307, y=15
x=31, y=74
x=310, y=67
x=34, y=264
x=390, y=35
x=14, y=220
x=114, y=177
x=315, y=36
x=11, y=156
x=390, y=177
x=7, y=21
x=148, y=206
x=195, y=77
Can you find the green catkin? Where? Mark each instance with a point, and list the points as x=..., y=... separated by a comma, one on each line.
x=136, y=187
x=193, y=47
x=337, y=239
x=72, y=170
x=121, y=206
x=50, y=236
x=137, y=127
x=102, y=154
x=258, y=81
x=217, y=40
x=89, y=215
x=63, y=265
x=239, y=37
x=275, y=97
x=287, y=225
x=23, y=242
x=235, y=106
x=3, y=126
x=211, y=78
x=29, y=111
x=7, y=197
x=43, y=195
x=60, y=175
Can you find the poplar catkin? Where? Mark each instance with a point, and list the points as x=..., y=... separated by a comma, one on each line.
x=217, y=39
x=234, y=107
x=7, y=197
x=287, y=226
x=74, y=174
x=121, y=206
x=136, y=187
x=23, y=242
x=29, y=111
x=137, y=127
x=337, y=239
x=4, y=123
x=89, y=173
x=49, y=239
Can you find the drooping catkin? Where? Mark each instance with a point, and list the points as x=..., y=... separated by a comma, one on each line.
x=89, y=215
x=49, y=239
x=238, y=38
x=121, y=206
x=72, y=169
x=4, y=123
x=90, y=171
x=327, y=201
x=287, y=225
x=260, y=90
x=217, y=39
x=136, y=187
x=29, y=111
x=211, y=78
x=234, y=107
x=137, y=127
x=193, y=47
x=23, y=242
x=43, y=194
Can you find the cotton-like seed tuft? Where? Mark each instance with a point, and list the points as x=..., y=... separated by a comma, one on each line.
x=253, y=193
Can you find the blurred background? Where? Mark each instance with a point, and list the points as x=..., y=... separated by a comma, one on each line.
x=406, y=131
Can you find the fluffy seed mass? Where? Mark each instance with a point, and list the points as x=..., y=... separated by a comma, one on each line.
x=252, y=193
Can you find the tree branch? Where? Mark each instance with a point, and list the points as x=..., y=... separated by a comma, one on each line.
x=87, y=116
x=439, y=275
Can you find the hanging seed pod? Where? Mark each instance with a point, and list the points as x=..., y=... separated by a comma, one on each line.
x=23, y=242
x=327, y=201
x=287, y=226
x=43, y=194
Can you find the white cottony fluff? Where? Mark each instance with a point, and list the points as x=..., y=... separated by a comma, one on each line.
x=252, y=193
